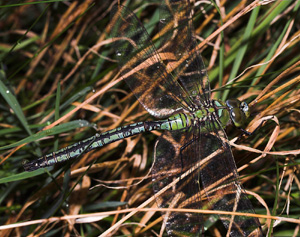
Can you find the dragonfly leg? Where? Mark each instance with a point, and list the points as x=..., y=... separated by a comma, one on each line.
x=255, y=130
x=245, y=132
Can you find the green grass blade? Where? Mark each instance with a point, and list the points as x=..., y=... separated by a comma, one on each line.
x=13, y=102
x=66, y=127
x=242, y=49
x=21, y=176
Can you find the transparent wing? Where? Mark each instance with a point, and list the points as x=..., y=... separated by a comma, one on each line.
x=190, y=160
x=175, y=177
x=143, y=68
x=167, y=80
x=177, y=37
x=221, y=181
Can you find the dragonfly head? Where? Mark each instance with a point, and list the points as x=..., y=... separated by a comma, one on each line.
x=239, y=111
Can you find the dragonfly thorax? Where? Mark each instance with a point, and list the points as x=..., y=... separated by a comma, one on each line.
x=211, y=112
x=232, y=111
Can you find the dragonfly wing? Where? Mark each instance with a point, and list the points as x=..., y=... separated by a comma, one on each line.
x=177, y=36
x=221, y=182
x=176, y=182
x=142, y=67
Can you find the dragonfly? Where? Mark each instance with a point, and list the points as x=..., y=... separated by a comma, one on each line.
x=193, y=164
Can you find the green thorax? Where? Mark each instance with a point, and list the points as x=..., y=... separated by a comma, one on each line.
x=232, y=111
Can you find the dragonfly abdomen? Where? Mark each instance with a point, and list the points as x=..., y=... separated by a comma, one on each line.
x=175, y=122
x=73, y=151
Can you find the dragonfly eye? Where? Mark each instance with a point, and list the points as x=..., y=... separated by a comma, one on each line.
x=245, y=108
x=236, y=117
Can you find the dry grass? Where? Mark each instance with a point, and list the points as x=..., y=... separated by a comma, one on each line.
x=56, y=69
